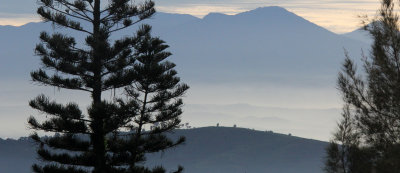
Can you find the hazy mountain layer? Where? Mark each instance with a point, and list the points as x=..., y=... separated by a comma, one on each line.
x=266, y=57
x=254, y=46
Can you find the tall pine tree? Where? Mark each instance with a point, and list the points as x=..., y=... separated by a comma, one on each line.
x=157, y=90
x=154, y=98
x=94, y=142
x=374, y=97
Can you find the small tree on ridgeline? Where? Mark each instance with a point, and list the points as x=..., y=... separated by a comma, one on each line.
x=373, y=99
x=98, y=141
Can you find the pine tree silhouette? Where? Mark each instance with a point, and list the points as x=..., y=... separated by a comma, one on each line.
x=373, y=100
x=98, y=141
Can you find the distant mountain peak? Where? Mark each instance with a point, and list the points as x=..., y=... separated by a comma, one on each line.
x=269, y=10
x=270, y=14
x=214, y=15
x=261, y=11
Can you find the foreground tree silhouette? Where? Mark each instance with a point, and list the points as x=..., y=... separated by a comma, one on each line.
x=98, y=142
x=155, y=99
x=374, y=98
x=345, y=153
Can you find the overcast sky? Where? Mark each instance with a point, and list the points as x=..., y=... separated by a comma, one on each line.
x=336, y=15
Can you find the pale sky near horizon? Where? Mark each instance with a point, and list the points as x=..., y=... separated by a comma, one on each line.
x=339, y=16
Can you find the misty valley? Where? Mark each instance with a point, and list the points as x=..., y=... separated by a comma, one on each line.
x=120, y=86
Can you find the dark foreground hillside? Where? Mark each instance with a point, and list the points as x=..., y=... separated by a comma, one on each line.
x=209, y=150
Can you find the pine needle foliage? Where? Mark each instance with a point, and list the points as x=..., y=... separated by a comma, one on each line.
x=372, y=98
x=154, y=99
x=345, y=154
x=98, y=141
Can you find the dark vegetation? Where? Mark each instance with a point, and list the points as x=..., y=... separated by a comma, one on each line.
x=368, y=137
x=110, y=137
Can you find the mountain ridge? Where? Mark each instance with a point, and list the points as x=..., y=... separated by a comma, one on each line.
x=240, y=60
x=209, y=149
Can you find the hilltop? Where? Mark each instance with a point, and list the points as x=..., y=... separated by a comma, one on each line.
x=208, y=149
